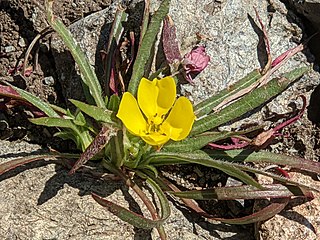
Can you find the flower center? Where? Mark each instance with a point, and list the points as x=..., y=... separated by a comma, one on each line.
x=154, y=123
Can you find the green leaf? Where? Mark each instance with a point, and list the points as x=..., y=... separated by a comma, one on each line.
x=114, y=103
x=114, y=39
x=283, y=180
x=80, y=120
x=242, y=192
x=247, y=103
x=66, y=135
x=127, y=215
x=145, y=50
x=89, y=77
x=54, y=122
x=37, y=102
x=197, y=142
x=201, y=158
x=263, y=156
x=98, y=113
x=82, y=137
x=117, y=150
x=165, y=207
x=208, y=104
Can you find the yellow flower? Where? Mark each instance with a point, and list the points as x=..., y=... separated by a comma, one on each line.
x=157, y=116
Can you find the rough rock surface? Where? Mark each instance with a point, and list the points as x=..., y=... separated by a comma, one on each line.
x=298, y=221
x=60, y=207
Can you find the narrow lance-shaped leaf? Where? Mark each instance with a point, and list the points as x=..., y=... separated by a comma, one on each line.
x=127, y=215
x=201, y=158
x=145, y=20
x=248, y=102
x=197, y=142
x=165, y=207
x=114, y=39
x=145, y=50
x=274, y=176
x=275, y=207
x=12, y=164
x=37, y=102
x=117, y=152
x=269, y=157
x=169, y=41
x=264, y=214
x=55, y=122
x=95, y=147
x=99, y=114
x=208, y=104
x=241, y=192
x=82, y=136
x=88, y=76
x=8, y=91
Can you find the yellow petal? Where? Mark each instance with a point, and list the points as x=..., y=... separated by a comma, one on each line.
x=147, y=97
x=180, y=120
x=155, y=139
x=131, y=116
x=156, y=97
x=167, y=94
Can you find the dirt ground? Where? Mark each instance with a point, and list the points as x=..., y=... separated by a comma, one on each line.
x=21, y=22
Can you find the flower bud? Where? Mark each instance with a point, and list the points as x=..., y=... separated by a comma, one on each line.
x=195, y=61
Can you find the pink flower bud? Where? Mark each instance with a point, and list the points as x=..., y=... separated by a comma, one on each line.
x=195, y=61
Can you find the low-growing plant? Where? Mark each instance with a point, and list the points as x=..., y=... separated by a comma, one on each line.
x=143, y=128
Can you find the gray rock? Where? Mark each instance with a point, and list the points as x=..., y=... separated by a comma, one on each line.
x=49, y=81
x=21, y=42
x=9, y=49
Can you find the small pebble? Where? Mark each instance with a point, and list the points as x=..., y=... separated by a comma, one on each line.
x=49, y=81
x=8, y=49
x=21, y=42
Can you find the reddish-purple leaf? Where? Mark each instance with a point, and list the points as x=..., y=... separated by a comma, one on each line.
x=287, y=54
x=266, y=43
x=15, y=70
x=12, y=164
x=245, y=192
x=127, y=215
x=264, y=138
x=95, y=147
x=169, y=41
x=113, y=83
x=264, y=214
x=9, y=92
x=237, y=144
x=132, y=43
x=12, y=99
